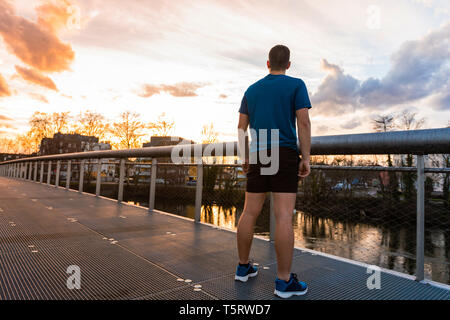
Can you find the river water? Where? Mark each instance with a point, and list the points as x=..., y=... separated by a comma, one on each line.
x=376, y=245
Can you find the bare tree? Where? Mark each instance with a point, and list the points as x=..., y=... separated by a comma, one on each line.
x=408, y=121
x=128, y=130
x=60, y=122
x=40, y=128
x=209, y=135
x=163, y=127
x=384, y=123
x=92, y=124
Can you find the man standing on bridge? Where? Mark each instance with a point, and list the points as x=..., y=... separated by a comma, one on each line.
x=271, y=107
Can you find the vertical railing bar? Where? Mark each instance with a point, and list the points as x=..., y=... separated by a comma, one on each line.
x=68, y=174
x=58, y=170
x=151, y=200
x=30, y=170
x=121, y=178
x=98, y=182
x=41, y=176
x=81, y=180
x=49, y=172
x=198, y=192
x=35, y=171
x=420, y=245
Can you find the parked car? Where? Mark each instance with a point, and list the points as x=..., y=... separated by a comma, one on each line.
x=341, y=186
x=191, y=183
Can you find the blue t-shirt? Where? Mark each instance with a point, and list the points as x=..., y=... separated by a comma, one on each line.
x=271, y=103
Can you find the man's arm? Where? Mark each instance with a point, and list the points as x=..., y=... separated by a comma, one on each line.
x=243, y=140
x=304, y=136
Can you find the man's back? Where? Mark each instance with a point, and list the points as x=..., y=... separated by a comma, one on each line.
x=271, y=103
x=275, y=102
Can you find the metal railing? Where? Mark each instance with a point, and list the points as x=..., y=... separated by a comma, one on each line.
x=416, y=142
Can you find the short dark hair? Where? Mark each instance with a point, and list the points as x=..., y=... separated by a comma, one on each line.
x=279, y=57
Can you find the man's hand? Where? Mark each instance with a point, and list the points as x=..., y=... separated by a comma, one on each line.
x=303, y=169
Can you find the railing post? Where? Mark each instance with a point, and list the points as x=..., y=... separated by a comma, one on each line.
x=41, y=178
x=420, y=245
x=151, y=200
x=198, y=192
x=35, y=171
x=121, y=177
x=68, y=174
x=272, y=219
x=49, y=172
x=81, y=180
x=98, y=183
x=58, y=169
x=30, y=170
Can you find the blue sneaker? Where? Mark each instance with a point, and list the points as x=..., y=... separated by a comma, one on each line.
x=291, y=288
x=243, y=273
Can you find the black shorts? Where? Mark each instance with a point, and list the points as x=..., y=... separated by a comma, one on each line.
x=284, y=180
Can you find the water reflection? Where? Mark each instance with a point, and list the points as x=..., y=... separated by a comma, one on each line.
x=378, y=245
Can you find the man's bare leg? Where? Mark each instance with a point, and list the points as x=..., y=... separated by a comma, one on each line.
x=252, y=208
x=284, y=204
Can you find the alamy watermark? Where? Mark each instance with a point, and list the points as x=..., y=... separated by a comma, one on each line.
x=374, y=280
x=373, y=21
x=74, y=280
x=186, y=153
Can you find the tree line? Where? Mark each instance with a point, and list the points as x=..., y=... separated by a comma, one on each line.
x=127, y=132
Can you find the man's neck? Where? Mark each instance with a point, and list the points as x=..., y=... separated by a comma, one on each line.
x=277, y=72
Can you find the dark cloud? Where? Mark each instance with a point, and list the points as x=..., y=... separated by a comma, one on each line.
x=182, y=89
x=322, y=129
x=36, y=77
x=4, y=89
x=34, y=44
x=351, y=124
x=420, y=69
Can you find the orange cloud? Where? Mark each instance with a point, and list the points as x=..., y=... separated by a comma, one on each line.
x=182, y=89
x=36, y=77
x=4, y=89
x=36, y=45
x=5, y=122
x=55, y=15
x=149, y=90
x=38, y=97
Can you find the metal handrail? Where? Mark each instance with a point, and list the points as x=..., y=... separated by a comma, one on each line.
x=426, y=141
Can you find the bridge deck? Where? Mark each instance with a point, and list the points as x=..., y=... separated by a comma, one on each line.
x=43, y=230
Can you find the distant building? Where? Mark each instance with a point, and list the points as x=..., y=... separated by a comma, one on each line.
x=11, y=156
x=70, y=143
x=166, y=174
x=156, y=141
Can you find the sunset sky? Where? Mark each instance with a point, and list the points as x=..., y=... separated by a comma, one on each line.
x=193, y=59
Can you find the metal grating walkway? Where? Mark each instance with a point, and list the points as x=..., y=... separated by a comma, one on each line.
x=124, y=252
